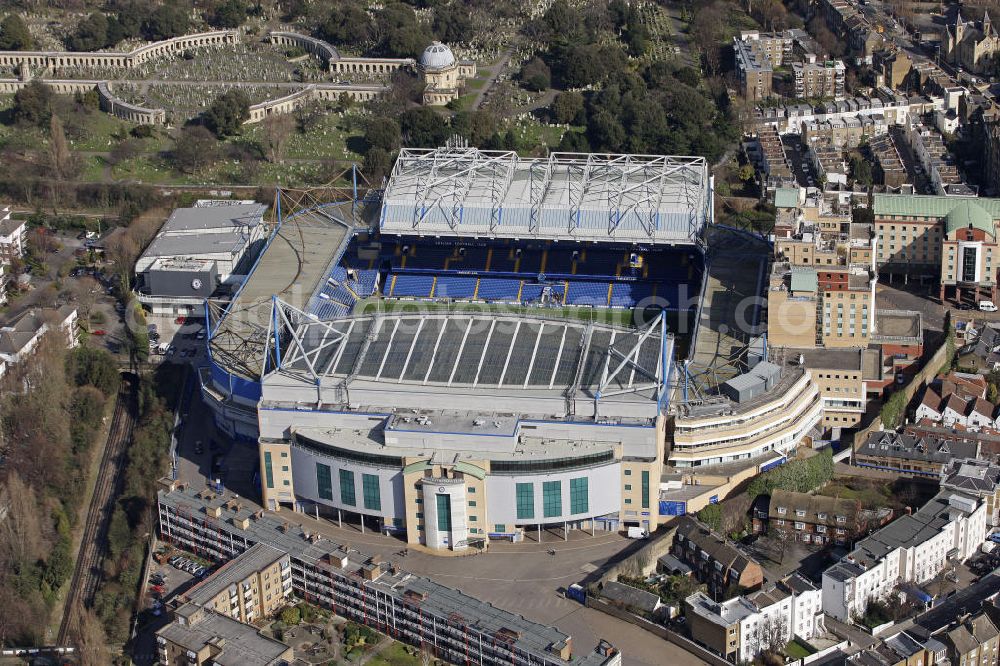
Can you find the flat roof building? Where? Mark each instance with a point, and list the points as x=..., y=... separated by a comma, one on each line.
x=413, y=609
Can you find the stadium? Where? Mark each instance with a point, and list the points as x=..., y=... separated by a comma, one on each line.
x=486, y=347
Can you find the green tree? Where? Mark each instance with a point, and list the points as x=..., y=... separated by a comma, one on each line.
x=452, y=22
x=94, y=367
x=423, y=127
x=33, y=104
x=91, y=34
x=291, y=615
x=799, y=475
x=347, y=24
x=562, y=21
x=228, y=113
x=535, y=75
x=166, y=21
x=567, y=107
x=711, y=515
x=229, y=14
x=376, y=165
x=384, y=133
x=194, y=149
x=992, y=394
x=14, y=34
x=119, y=533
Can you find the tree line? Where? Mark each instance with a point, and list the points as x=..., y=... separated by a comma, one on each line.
x=51, y=412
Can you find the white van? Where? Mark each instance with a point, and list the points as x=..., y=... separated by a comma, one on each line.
x=987, y=306
x=637, y=533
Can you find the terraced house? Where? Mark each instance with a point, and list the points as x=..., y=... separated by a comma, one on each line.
x=714, y=560
x=816, y=519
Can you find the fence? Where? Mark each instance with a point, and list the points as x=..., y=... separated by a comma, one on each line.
x=643, y=561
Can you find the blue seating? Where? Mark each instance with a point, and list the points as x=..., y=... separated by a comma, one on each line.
x=532, y=293
x=451, y=286
x=498, y=289
x=627, y=294
x=588, y=293
x=364, y=285
x=418, y=286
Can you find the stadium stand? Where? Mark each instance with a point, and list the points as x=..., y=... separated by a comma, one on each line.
x=587, y=293
x=627, y=294
x=451, y=286
x=417, y=286
x=498, y=289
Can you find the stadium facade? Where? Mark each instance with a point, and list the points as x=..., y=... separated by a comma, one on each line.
x=446, y=372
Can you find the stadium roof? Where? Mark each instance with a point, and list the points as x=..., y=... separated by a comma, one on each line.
x=459, y=360
x=596, y=197
x=297, y=257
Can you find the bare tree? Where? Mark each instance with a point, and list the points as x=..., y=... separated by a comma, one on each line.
x=21, y=539
x=277, y=130
x=90, y=638
x=62, y=161
x=770, y=635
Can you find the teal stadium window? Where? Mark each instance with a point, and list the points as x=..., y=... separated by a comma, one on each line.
x=552, y=498
x=525, y=501
x=645, y=489
x=324, y=481
x=347, y=495
x=579, y=502
x=369, y=486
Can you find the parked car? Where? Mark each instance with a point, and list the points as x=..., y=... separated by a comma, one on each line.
x=987, y=306
x=99, y=331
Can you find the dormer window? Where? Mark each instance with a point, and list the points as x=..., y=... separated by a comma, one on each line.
x=800, y=513
x=781, y=511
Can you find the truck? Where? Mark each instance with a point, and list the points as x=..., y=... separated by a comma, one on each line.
x=162, y=348
x=637, y=533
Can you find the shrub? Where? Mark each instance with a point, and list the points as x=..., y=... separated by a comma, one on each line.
x=798, y=476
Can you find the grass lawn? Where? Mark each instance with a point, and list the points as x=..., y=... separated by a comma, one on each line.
x=798, y=650
x=616, y=317
x=475, y=84
x=395, y=654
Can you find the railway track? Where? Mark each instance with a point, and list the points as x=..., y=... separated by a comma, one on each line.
x=93, y=546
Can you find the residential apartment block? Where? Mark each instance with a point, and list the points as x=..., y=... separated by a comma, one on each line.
x=200, y=636
x=840, y=377
x=714, y=560
x=912, y=549
x=19, y=340
x=754, y=70
x=252, y=586
x=742, y=627
x=415, y=610
x=819, y=79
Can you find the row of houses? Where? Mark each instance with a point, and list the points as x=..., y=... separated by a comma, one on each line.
x=741, y=628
